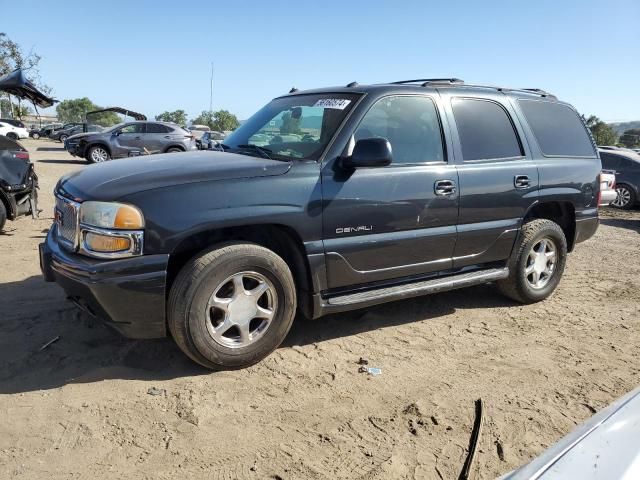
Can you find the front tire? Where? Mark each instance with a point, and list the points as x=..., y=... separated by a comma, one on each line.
x=98, y=154
x=625, y=198
x=63, y=138
x=231, y=306
x=12, y=136
x=36, y=136
x=537, y=263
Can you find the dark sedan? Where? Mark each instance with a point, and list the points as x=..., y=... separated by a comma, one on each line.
x=626, y=166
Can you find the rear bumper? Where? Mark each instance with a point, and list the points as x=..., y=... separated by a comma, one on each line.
x=586, y=227
x=127, y=294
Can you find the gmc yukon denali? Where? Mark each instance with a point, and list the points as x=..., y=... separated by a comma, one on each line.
x=325, y=201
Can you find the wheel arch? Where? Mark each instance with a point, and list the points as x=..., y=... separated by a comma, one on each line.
x=561, y=212
x=181, y=147
x=281, y=239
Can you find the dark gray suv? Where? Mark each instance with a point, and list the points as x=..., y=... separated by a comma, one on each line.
x=130, y=139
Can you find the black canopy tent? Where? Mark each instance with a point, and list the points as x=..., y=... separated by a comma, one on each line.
x=17, y=84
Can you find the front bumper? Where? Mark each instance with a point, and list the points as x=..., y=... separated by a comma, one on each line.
x=74, y=149
x=127, y=294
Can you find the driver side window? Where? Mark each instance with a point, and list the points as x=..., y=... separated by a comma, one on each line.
x=132, y=128
x=411, y=125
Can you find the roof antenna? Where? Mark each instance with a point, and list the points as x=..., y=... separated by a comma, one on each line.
x=352, y=84
x=293, y=90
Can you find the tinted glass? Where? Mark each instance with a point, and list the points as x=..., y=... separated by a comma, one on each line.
x=485, y=130
x=156, y=128
x=8, y=144
x=411, y=125
x=557, y=128
x=133, y=128
x=609, y=162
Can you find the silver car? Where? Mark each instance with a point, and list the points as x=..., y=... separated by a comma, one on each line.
x=130, y=139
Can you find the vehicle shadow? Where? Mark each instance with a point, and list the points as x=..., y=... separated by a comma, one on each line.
x=628, y=223
x=68, y=162
x=84, y=350
x=50, y=149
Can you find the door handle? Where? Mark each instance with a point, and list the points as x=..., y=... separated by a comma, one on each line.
x=444, y=187
x=521, y=181
x=167, y=137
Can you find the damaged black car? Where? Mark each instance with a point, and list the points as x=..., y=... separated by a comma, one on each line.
x=18, y=182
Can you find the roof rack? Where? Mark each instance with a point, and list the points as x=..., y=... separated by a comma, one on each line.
x=427, y=81
x=538, y=91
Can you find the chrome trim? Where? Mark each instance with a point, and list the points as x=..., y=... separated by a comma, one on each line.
x=135, y=236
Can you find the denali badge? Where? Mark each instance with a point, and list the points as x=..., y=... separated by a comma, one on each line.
x=361, y=228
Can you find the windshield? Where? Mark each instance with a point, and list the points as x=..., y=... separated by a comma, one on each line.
x=293, y=127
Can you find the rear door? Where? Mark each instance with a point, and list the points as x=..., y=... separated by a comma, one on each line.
x=498, y=180
x=397, y=221
x=156, y=137
x=128, y=139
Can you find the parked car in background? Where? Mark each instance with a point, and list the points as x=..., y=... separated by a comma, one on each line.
x=391, y=191
x=18, y=182
x=130, y=139
x=625, y=165
x=13, y=121
x=209, y=140
x=72, y=129
x=45, y=131
x=11, y=131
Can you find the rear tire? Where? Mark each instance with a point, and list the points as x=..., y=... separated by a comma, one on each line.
x=3, y=215
x=36, y=136
x=174, y=150
x=231, y=306
x=63, y=138
x=537, y=262
x=626, y=197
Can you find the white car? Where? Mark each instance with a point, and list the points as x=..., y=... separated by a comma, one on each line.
x=13, y=132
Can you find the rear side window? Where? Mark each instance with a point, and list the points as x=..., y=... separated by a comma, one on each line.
x=609, y=162
x=485, y=130
x=558, y=129
x=157, y=128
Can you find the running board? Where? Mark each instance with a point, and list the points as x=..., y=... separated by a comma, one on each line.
x=398, y=292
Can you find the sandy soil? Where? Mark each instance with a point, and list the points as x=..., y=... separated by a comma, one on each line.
x=81, y=407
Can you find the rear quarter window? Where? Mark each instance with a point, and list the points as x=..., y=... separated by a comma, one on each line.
x=557, y=128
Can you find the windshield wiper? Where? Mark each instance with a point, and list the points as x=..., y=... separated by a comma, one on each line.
x=262, y=150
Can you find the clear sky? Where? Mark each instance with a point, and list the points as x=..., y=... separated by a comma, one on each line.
x=152, y=56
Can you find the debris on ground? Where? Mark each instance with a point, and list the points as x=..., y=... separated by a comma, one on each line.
x=370, y=370
x=363, y=361
x=50, y=342
x=156, y=391
x=473, y=441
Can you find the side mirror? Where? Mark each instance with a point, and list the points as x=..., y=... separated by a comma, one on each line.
x=117, y=133
x=369, y=152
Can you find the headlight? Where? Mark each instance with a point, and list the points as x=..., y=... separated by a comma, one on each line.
x=111, y=215
x=110, y=230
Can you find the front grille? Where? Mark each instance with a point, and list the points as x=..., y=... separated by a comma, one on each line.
x=67, y=219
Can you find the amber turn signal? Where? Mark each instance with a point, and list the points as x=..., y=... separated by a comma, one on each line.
x=106, y=243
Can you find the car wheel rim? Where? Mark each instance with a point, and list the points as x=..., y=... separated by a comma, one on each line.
x=623, y=197
x=541, y=263
x=241, y=309
x=99, y=155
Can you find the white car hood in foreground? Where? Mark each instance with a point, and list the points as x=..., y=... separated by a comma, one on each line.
x=605, y=447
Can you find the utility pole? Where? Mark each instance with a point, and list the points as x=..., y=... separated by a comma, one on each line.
x=211, y=92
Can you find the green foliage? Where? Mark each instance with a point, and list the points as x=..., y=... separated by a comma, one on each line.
x=602, y=133
x=631, y=138
x=75, y=110
x=290, y=124
x=220, y=121
x=13, y=109
x=178, y=117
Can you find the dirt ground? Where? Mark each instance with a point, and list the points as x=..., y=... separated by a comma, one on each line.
x=81, y=408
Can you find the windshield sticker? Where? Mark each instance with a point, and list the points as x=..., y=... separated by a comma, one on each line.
x=335, y=103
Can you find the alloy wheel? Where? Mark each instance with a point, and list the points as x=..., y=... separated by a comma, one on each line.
x=623, y=197
x=241, y=309
x=541, y=263
x=99, y=155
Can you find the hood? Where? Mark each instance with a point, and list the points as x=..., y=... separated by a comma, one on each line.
x=117, y=178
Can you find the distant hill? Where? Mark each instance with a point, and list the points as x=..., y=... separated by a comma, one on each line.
x=621, y=127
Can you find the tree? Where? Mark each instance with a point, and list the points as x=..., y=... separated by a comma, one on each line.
x=75, y=110
x=631, y=138
x=220, y=121
x=602, y=132
x=13, y=109
x=179, y=117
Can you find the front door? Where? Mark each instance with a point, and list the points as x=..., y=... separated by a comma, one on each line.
x=397, y=221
